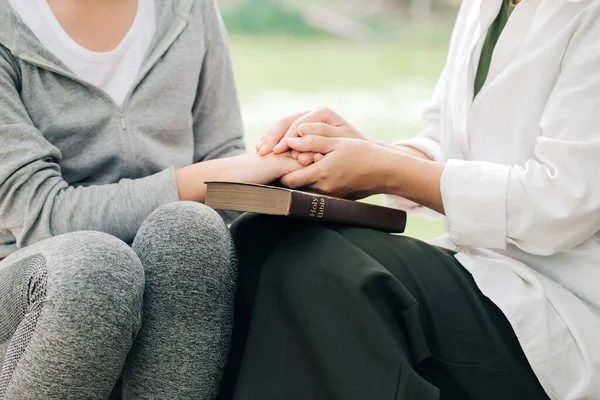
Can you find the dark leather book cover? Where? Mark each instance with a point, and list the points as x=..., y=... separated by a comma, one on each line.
x=331, y=209
x=238, y=196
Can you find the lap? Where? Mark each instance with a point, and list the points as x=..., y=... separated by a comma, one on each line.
x=457, y=334
x=87, y=262
x=429, y=273
x=448, y=296
x=171, y=230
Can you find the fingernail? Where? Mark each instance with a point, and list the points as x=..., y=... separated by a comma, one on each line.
x=262, y=149
x=295, y=154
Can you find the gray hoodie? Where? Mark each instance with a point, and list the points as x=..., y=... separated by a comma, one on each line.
x=71, y=159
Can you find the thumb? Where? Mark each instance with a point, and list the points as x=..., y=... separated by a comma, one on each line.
x=312, y=144
x=318, y=129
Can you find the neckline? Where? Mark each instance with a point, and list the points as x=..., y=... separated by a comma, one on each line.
x=88, y=55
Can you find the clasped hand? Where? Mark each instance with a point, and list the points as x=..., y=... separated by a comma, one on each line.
x=337, y=159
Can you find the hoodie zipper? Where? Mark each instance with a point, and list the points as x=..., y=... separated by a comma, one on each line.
x=155, y=56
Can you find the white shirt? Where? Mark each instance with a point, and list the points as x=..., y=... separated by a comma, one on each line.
x=116, y=71
x=521, y=187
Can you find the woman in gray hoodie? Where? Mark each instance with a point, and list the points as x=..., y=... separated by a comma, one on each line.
x=113, y=114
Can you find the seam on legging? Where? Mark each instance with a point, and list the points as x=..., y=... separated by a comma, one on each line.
x=32, y=294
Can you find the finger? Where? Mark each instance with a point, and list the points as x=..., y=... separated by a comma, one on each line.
x=259, y=145
x=313, y=144
x=295, y=154
x=318, y=129
x=320, y=115
x=306, y=159
x=302, y=178
x=288, y=165
x=267, y=146
x=277, y=132
x=318, y=157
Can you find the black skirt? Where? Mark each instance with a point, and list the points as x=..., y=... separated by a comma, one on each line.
x=331, y=312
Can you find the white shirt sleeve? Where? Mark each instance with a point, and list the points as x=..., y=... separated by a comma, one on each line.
x=552, y=203
x=428, y=141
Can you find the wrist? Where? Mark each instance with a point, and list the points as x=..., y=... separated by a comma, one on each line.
x=189, y=188
x=401, y=172
x=254, y=168
x=413, y=178
x=390, y=171
x=191, y=179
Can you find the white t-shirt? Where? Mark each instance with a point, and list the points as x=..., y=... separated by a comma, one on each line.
x=115, y=71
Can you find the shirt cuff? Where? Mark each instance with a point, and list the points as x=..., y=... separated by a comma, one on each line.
x=474, y=198
x=429, y=147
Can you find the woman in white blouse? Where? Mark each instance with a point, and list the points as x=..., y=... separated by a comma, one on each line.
x=510, y=307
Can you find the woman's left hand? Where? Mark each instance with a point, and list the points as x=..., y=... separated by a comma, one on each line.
x=321, y=122
x=350, y=168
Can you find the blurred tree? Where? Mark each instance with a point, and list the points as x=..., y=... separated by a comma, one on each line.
x=266, y=16
x=356, y=20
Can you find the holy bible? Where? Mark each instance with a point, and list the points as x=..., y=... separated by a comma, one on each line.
x=271, y=200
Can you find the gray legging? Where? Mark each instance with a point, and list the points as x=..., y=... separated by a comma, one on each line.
x=80, y=310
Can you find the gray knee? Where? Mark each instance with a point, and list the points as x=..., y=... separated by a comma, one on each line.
x=95, y=271
x=189, y=241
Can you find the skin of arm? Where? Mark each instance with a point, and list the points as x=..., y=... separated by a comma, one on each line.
x=249, y=168
x=354, y=168
x=422, y=188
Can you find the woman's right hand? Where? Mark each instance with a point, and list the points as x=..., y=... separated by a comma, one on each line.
x=319, y=122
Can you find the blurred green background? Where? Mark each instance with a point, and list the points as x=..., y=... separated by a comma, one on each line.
x=375, y=62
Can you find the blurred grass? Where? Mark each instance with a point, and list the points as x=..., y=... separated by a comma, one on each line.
x=287, y=63
x=292, y=67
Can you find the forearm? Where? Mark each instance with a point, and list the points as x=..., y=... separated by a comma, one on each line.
x=409, y=150
x=249, y=168
x=404, y=148
x=191, y=179
x=408, y=173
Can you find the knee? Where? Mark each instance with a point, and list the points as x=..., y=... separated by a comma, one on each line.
x=94, y=270
x=187, y=241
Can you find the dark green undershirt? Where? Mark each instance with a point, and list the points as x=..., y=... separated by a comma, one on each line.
x=491, y=39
